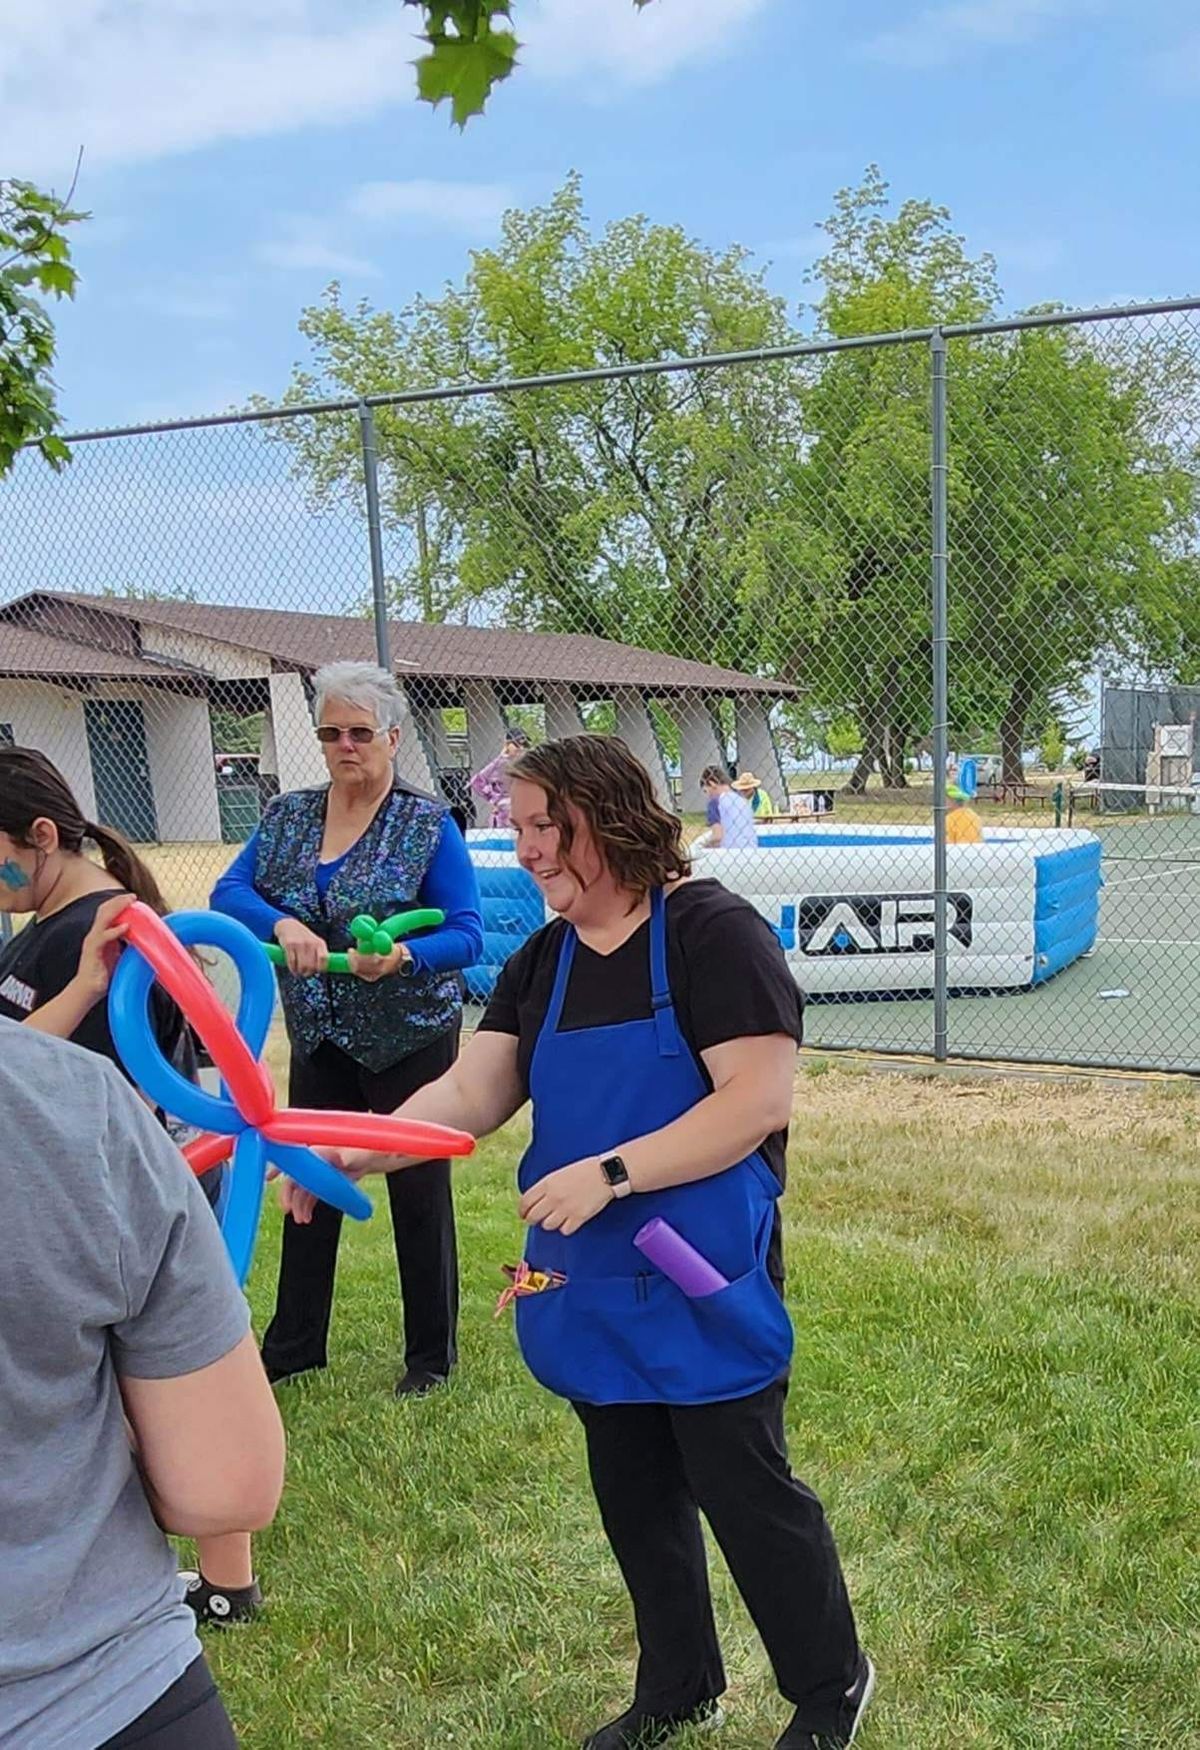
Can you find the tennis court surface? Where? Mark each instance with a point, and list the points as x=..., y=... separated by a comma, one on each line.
x=1133, y=1003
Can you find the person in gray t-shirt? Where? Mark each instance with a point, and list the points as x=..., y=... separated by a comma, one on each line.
x=117, y=1301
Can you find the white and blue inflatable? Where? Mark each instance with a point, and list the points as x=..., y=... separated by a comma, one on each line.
x=853, y=905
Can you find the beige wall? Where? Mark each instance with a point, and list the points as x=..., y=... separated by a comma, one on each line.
x=51, y=719
x=178, y=747
x=222, y=661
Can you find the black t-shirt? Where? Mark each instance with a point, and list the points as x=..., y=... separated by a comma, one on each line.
x=728, y=977
x=42, y=959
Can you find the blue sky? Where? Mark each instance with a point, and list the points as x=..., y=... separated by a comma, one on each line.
x=241, y=153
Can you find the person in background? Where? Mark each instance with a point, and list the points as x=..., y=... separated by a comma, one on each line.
x=730, y=817
x=117, y=1304
x=652, y=1027
x=364, y=843
x=491, y=783
x=54, y=977
x=747, y=785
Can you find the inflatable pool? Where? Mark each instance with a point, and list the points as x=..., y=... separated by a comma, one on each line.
x=853, y=905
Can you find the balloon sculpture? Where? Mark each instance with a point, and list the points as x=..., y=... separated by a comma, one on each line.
x=370, y=937
x=243, y=1119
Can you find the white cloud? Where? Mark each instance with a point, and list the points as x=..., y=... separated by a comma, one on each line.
x=134, y=80
x=566, y=38
x=468, y=207
x=305, y=247
x=936, y=35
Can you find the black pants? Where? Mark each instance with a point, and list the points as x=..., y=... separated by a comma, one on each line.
x=190, y=1716
x=655, y=1468
x=422, y=1223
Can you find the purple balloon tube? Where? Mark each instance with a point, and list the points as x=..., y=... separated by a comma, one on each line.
x=682, y=1264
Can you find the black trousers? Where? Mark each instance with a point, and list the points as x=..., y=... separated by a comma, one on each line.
x=655, y=1468
x=190, y=1716
x=422, y=1223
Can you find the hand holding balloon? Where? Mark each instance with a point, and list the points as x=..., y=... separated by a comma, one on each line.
x=244, y=1114
x=370, y=938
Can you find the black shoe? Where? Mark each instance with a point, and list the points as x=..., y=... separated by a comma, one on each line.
x=858, y=1696
x=636, y=1730
x=217, y=1607
x=419, y=1385
x=281, y=1375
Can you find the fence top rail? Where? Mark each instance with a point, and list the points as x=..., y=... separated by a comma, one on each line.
x=651, y=368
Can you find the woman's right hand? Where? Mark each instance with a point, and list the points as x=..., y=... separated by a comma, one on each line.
x=305, y=952
x=300, y=1204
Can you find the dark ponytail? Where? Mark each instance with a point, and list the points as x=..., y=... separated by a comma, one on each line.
x=31, y=788
x=125, y=866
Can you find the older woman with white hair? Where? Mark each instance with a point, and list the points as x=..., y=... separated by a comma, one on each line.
x=365, y=842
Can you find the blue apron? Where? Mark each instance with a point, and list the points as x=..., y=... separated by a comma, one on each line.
x=619, y=1332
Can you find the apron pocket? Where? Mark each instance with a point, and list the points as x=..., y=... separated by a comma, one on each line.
x=622, y=1339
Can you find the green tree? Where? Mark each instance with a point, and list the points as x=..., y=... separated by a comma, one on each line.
x=841, y=577
x=616, y=508
x=35, y=263
x=1072, y=497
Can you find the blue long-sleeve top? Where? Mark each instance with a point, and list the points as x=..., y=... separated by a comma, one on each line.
x=449, y=886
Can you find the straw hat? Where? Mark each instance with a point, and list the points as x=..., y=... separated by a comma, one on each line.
x=747, y=781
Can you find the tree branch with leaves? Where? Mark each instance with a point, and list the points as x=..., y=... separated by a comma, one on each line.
x=35, y=263
x=471, y=48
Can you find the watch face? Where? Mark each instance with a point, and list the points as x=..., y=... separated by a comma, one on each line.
x=614, y=1170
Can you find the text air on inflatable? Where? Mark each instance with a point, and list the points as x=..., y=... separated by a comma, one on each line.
x=853, y=905
x=243, y=1119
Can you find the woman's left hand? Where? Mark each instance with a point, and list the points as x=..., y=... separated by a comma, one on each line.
x=101, y=946
x=371, y=967
x=564, y=1200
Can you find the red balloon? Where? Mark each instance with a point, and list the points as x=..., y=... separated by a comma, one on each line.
x=248, y=1080
x=376, y=1131
x=208, y=1151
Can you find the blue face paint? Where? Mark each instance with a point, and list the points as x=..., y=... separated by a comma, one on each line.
x=12, y=875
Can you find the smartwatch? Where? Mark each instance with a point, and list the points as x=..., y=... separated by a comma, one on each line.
x=616, y=1175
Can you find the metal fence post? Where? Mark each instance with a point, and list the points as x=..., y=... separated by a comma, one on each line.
x=383, y=643
x=941, y=726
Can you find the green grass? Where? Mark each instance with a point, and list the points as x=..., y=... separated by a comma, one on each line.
x=995, y=1391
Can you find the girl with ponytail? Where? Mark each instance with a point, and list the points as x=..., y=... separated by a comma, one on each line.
x=54, y=972
x=54, y=976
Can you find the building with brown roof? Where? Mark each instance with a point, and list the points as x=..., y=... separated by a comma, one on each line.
x=119, y=693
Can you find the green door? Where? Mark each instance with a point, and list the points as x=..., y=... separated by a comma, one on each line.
x=116, y=734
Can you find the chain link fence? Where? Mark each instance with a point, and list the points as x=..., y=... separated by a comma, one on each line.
x=851, y=577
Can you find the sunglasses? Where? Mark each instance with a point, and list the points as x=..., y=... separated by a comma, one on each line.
x=359, y=734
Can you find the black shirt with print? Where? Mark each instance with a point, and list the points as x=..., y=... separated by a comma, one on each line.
x=41, y=960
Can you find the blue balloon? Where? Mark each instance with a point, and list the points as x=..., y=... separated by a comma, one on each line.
x=307, y=1168
x=968, y=778
x=134, y=1036
x=240, y=1209
x=243, y=1202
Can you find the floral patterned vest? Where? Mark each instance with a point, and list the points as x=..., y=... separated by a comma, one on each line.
x=376, y=1024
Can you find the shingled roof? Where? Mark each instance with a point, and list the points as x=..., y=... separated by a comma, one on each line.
x=29, y=654
x=419, y=651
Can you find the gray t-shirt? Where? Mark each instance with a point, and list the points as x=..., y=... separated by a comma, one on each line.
x=112, y=1264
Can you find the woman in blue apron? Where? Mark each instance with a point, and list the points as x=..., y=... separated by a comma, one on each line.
x=653, y=1027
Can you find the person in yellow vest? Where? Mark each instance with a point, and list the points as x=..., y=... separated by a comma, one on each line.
x=747, y=785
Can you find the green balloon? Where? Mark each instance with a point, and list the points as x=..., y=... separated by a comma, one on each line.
x=371, y=937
